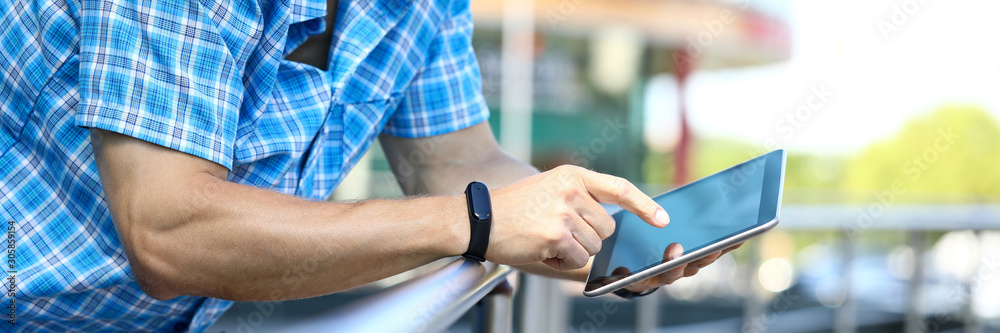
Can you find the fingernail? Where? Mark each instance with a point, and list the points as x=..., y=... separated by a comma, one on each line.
x=661, y=217
x=676, y=252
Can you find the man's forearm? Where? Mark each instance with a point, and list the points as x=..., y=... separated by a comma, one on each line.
x=255, y=244
x=497, y=170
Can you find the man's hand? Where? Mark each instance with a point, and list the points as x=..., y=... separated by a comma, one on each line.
x=555, y=216
x=673, y=251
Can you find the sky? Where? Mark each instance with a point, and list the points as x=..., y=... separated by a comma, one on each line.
x=859, y=70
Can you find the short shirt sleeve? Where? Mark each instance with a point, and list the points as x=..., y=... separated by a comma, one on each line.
x=167, y=72
x=446, y=95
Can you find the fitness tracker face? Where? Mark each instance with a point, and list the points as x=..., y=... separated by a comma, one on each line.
x=477, y=197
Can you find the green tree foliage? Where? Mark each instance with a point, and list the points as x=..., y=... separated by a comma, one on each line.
x=949, y=155
x=808, y=178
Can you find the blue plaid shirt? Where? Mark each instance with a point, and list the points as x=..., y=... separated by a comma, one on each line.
x=206, y=78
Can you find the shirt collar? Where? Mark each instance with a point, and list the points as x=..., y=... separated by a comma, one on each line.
x=360, y=26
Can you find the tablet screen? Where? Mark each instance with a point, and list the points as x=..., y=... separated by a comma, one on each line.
x=701, y=213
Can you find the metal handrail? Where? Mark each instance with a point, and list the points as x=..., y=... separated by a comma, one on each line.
x=428, y=303
x=879, y=216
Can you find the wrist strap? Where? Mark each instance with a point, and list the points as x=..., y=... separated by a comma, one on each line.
x=477, y=198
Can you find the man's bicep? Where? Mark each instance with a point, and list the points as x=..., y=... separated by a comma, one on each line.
x=142, y=180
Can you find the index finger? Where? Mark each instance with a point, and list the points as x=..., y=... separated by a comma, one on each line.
x=619, y=191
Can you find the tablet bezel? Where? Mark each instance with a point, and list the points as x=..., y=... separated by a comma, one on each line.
x=767, y=218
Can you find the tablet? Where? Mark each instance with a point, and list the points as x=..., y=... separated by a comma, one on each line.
x=707, y=215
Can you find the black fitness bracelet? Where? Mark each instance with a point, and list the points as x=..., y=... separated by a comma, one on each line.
x=477, y=197
x=628, y=294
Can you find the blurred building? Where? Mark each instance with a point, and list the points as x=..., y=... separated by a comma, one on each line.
x=592, y=60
